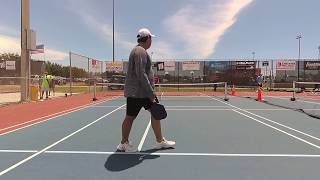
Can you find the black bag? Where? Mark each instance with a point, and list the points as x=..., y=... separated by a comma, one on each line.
x=157, y=110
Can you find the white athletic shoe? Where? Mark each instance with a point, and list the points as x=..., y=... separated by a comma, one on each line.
x=126, y=147
x=165, y=144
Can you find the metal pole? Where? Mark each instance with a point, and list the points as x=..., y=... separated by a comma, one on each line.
x=293, y=98
x=178, y=76
x=225, y=91
x=89, y=77
x=94, y=92
x=319, y=53
x=70, y=75
x=25, y=55
x=299, y=38
x=272, y=75
x=113, y=31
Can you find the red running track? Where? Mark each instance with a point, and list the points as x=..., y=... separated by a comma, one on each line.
x=16, y=116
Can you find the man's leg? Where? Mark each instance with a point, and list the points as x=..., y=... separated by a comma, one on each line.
x=161, y=141
x=156, y=126
x=126, y=128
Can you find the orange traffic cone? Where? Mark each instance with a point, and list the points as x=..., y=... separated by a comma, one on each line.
x=233, y=91
x=259, y=94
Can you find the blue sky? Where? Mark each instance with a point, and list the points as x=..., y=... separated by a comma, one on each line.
x=186, y=29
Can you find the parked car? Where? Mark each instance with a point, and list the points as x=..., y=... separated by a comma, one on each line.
x=119, y=79
x=60, y=80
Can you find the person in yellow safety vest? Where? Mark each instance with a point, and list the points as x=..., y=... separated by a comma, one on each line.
x=51, y=84
x=44, y=86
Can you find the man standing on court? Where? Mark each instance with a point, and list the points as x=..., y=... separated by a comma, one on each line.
x=139, y=91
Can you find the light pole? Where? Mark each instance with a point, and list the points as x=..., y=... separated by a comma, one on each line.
x=319, y=53
x=192, y=73
x=299, y=39
x=25, y=55
x=113, y=31
x=253, y=57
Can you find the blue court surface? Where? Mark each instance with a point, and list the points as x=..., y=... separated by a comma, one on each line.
x=237, y=139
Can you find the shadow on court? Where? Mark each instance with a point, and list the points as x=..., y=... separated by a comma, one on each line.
x=121, y=161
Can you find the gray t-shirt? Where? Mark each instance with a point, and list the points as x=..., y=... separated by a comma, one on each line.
x=139, y=79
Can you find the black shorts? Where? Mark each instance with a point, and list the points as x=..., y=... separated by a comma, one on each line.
x=135, y=104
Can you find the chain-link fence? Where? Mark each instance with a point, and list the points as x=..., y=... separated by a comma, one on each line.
x=84, y=72
x=279, y=73
x=81, y=73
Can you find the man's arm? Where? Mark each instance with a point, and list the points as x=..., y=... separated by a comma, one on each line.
x=140, y=66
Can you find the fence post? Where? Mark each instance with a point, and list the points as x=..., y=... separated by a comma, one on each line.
x=70, y=74
x=225, y=91
x=94, y=91
x=293, y=98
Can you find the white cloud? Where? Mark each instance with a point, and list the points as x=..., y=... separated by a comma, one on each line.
x=84, y=10
x=52, y=55
x=200, y=28
x=9, y=44
x=9, y=30
x=162, y=50
x=12, y=45
x=105, y=31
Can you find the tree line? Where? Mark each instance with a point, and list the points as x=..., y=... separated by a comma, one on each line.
x=52, y=68
x=64, y=71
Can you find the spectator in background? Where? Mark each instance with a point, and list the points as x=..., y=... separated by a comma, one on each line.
x=260, y=80
x=268, y=83
x=44, y=85
x=51, y=84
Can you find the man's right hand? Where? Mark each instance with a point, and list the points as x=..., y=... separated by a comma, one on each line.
x=153, y=97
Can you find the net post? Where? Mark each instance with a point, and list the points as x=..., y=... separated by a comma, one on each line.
x=94, y=91
x=293, y=98
x=225, y=91
x=70, y=75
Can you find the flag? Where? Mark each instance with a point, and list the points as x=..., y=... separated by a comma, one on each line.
x=93, y=62
x=39, y=49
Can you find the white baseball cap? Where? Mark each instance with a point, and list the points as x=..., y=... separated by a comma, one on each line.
x=144, y=32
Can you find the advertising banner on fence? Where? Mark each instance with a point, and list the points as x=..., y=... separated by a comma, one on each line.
x=219, y=65
x=312, y=65
x=160, y=66
x=286, y=65
x=265, y=63
x=95, y=66
x=10, y=65
x=2, y=65
x=190, y=66
x=245, y=65
x=169, y=66
x=116, y=66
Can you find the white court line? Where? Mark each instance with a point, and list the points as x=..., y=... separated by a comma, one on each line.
x=52, y=116
x=144, y=136
x=310, y=102
x=104, y=106
x=229, y=109
x=167, y=106
x=198, y=109
x=18, y=151
x=179, y=97
x=197, y=106
x=57, y=142
x=316, y=138
x=187, y=154
x=234, y=109
x=300, y=139
x=171, y=154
